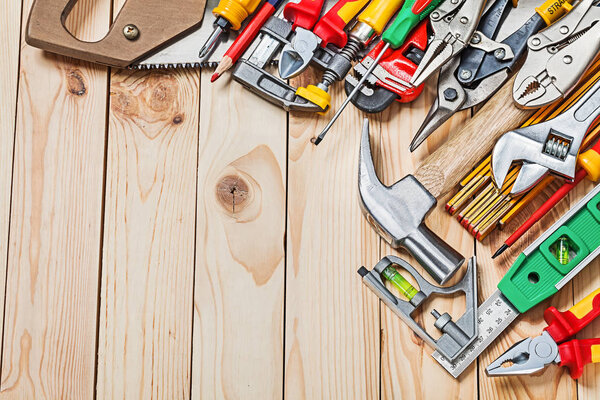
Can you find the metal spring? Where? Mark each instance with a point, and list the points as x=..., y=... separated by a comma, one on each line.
x=349, y=52
x=557, y=148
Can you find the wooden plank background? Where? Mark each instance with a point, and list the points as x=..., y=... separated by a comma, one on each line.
x=164, y=237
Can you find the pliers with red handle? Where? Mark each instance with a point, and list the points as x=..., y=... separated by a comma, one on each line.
x=532, y=355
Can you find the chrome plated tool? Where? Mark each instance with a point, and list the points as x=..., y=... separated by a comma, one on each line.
x=397, y=213
x=536, y=275
x=456, y=336
x=558, y=57
x=551, y=146
x=487, y=63
x=532, y=355
x=453, y=24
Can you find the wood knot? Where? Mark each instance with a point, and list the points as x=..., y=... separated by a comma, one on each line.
x=75, y=83
x=163, y=94
x=178, y=119
x=232, y=193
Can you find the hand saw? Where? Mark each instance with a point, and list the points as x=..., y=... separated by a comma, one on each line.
x=169, y=34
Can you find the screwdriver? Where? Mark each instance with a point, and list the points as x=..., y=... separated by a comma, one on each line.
x=370, y=23
x=589, y=162
x=230, y=15
x=413, y=12
x=245, y=38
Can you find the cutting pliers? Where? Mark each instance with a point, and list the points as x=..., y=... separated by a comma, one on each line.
x=558, y=56
x=453, y=24
x=532, y=355
x=486, y=64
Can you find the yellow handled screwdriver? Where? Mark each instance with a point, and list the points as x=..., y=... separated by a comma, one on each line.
x=230, y=15
x=370, y=23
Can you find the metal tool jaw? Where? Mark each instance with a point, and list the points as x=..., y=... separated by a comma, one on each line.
x=558, y=56
x=528, y=356
x=390, y=79
x=483, y=67
x=453, y=24
x=398, y=212
x=298, y=53
x=251, y=73
x=456, y=336
x=551, y=146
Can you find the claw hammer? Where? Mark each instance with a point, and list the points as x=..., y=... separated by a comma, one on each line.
x=398, y=212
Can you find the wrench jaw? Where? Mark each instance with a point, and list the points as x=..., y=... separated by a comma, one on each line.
x=529, y=356
x=502, y=158
x=529, y=176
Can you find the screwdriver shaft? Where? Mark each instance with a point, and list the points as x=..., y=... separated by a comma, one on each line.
x=351, y=95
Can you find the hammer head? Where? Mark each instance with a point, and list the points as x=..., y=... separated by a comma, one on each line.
x=397, y=213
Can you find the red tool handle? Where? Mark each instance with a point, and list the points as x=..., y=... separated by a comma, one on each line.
x=575, y=354
x=331, y=27
x=563, y=325
x=303, y=14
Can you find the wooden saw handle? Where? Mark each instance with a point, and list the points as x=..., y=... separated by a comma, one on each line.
x=158, y=21
x=444, y=168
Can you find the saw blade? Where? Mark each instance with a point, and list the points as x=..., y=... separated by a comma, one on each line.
x=493, y=316
x=184, y=53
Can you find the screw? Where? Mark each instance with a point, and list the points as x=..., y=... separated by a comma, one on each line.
x=464, y=20
x=536, y=41
x=435, y=15
x=131, y=32
x=465, y=74
x=476, y=38
x=500, y=54
x=564, y=30
x=450, y=94
x=568, y=59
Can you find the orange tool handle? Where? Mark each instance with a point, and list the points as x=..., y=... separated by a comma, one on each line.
x=303, y=14
x=590, y=162
x=563, y=325
x=331, y=27
x=575, y=354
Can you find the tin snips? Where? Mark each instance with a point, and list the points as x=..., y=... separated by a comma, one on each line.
x=558, y=57
x=550, y=146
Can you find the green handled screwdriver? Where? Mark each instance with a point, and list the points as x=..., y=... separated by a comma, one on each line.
x=412, y=12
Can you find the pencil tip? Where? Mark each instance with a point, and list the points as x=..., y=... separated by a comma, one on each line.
x=214, y=77
x=500, y=250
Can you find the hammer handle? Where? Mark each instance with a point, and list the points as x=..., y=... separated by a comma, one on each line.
x=443, y=169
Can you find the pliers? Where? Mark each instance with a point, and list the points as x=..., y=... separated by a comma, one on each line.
x=486, y=64
x=532, y=355
x=453, y=24
x=558, y=56
x=297, y=55
x=550, y=146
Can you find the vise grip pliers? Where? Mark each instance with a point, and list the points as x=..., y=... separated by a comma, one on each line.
x=558, y=57
x=550, y=146
x=532, y=355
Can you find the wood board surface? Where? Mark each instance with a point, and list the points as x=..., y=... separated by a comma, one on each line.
x=164, y=237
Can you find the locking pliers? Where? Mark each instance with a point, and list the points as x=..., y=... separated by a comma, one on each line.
x=558, y=57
